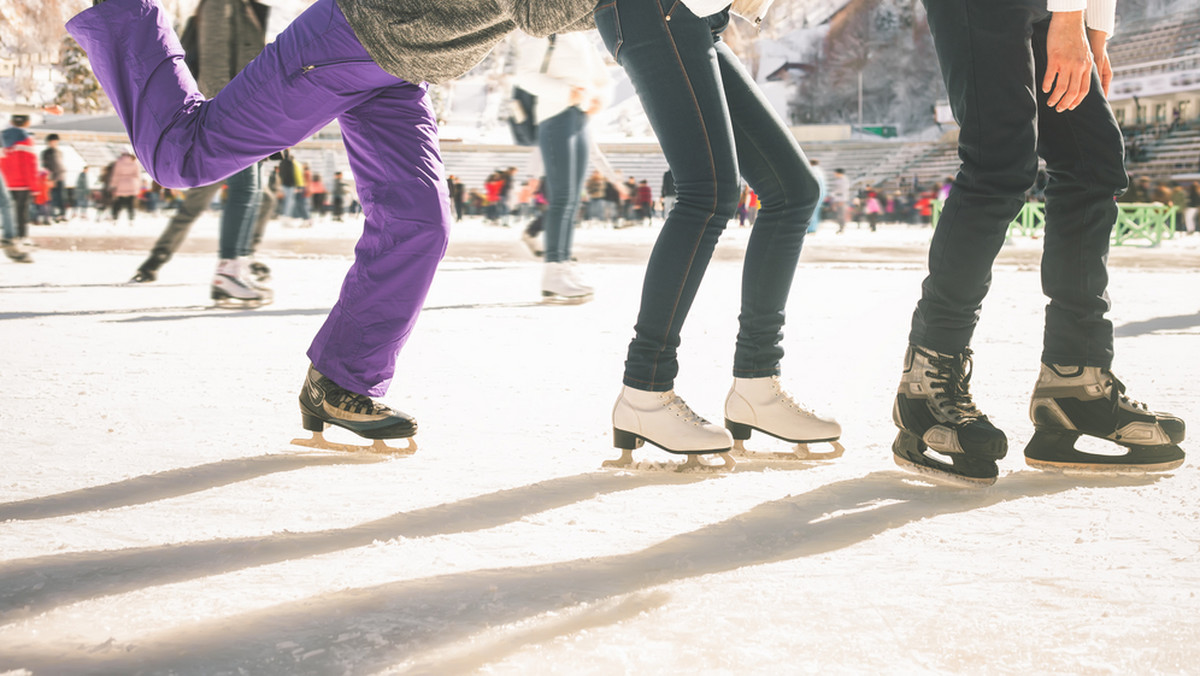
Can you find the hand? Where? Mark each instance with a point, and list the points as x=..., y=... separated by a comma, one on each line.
x=1068, y=62
x=1098, y=41
x=577, y=94
x=594, y=106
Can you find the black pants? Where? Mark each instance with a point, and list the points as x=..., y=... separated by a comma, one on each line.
x=22, y=200
x=993, y=57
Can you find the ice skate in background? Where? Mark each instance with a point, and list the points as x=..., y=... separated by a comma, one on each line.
x=664, y=420
x=324, y=403
x=762, y=404
x=232, y=286
x=1073, y=401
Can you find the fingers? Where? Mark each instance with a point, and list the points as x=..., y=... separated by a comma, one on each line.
x=1067, y=84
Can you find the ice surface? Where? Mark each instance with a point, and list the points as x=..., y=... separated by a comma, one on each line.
x=154, y=519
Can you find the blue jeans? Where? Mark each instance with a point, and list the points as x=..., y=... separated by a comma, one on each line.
x=993, y=56
x=712, y=123
x=7, y=217
x=563, y=140
x=238, y=217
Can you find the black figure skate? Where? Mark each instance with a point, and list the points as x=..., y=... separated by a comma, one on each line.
x=323, y=402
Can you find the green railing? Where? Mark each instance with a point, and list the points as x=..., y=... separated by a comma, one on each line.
x=1140, y=221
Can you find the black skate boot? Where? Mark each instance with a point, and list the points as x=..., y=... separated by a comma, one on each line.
x=943, y=436
x=323, y=402
x=148, y=271
x=260, y=271
x=1071, y=401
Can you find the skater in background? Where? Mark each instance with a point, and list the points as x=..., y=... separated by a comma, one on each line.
x=822, y=191
x=10, y=239
x=713, y=124
x=366, y=65
x=20, y=167
x=571, y=83
x=125, y=184
x=52, y=162
x=840, y=198
x=221, y=37
x=985, y=59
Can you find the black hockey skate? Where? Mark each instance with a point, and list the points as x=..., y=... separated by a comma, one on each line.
x=323, y=402
x=1073, y=401
x=943, y=436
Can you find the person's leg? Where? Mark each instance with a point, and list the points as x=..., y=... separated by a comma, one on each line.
x=237, y=218
x=582, y=154
x=1084, y=154
x=312, y=72
x=987, y=64
x=7, y=217
x=21, y=203
x=392, y=144
x=266, y=209
x=195, y=202
x=670, y=58
x=773, y=165
x=556, y=142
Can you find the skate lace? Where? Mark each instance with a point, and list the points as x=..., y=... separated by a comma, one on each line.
x=352, y=402
x=952, y=380
x=1117, y=395
x=675, y=404
x=787, y=399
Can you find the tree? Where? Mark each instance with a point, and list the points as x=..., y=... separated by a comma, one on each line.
x=79, y=91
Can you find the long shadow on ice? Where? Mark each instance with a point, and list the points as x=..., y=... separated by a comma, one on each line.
x=1169, y=324
x=365, y=630
x=169, y=484
x=31, y=586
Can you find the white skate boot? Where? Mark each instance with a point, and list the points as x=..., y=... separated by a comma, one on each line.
x=230, y=288
x=762, y=404
x=577, y=278
x=666, y=421
x=559, y=286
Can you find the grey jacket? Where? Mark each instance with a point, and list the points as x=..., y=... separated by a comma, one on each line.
x=438, y=40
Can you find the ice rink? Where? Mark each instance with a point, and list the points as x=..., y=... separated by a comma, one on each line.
x=154, y=518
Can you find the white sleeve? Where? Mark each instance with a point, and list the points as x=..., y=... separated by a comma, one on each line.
x=1099, y=15
x=1102, y=15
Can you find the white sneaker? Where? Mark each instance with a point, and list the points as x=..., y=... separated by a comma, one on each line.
x=559, y=286
x=665, y=420
x=762, y=404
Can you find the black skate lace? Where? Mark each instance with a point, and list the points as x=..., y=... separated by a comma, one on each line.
x=352, y=402
x=952, y=380
x=1117, y=395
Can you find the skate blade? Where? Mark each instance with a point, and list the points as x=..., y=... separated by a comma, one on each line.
x=319, y=442
x=554, y=299
x=692, y=464
x=799, y=453
x=231, y=303
x=1101, y=469
x=940, y=477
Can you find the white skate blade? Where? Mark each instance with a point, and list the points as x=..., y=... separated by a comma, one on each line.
x=942, y=478
x=692, y=464
x=318, y=441
x=549, y=298
x=799, y=453
x=1101, y=469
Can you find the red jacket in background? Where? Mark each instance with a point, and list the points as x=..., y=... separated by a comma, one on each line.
x=18, y=161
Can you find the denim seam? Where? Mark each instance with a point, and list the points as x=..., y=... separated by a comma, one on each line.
x=713, y=208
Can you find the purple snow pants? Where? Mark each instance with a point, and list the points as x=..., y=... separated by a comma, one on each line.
x=314, y=72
